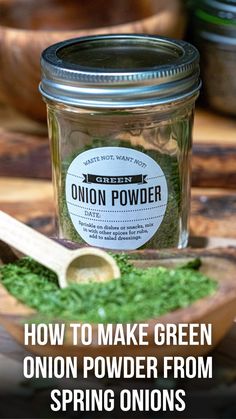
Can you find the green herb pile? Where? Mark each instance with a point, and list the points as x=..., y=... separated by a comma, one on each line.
x=139, y=294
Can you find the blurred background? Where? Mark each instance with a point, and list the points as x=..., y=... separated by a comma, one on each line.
x=28, y=26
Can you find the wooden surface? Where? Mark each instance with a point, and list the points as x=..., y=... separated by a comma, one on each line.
x=26, y=193
x=214, y=150
x=25, y=154
x=214, y=128
x=25, y=149
x=213, y=211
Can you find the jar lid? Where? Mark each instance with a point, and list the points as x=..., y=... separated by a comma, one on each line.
x=119, y=71
x=217, y=21
x=224, y=9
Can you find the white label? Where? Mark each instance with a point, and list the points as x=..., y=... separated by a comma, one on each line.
x=116, y=197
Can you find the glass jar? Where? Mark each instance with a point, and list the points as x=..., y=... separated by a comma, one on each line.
x=215, y=36
x=120, y=114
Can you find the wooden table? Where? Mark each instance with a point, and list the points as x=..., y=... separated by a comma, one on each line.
x=26, y=190
x=26, y=193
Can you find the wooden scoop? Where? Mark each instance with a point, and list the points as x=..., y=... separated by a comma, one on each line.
x=70, y=265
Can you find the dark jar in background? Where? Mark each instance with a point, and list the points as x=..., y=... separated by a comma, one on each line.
x=215, y=37
x=120, y=114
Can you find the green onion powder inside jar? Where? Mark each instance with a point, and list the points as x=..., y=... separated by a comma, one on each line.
x=120, y=115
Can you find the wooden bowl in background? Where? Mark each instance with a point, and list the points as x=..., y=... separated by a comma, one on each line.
x=218, y=309
x=29, y=26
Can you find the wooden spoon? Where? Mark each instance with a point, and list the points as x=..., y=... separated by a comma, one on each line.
x=79, y=265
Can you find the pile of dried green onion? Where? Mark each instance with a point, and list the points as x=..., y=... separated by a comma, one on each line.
x=139, y=294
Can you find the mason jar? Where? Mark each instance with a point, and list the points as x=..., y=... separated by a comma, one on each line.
x=120, y=115
x=215, y=36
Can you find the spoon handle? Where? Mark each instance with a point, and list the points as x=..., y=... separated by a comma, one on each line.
x=31, y=243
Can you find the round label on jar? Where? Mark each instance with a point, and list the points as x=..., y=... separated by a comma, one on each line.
x=116, y=197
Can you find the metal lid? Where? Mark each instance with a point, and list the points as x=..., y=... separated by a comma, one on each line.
x=119, y=71
x=217, y=21
x=225, y=9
